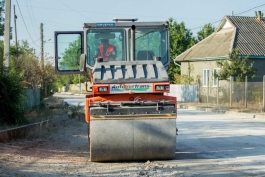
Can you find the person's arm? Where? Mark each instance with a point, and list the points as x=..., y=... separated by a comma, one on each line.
x=113, y=54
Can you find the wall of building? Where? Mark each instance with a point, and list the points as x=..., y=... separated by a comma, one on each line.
x=259, y=65
x=197, y=70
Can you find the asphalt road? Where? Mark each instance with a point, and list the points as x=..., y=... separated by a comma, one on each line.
x=71, y=99
x=208, y=144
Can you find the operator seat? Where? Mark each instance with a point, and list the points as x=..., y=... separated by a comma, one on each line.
x=145, y=55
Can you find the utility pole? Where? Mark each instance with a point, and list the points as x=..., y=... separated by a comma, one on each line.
x=42, y=60
x=15, y=25
x=7, y=33
x=41, y=46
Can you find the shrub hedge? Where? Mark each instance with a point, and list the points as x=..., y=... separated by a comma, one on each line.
x=11, y=100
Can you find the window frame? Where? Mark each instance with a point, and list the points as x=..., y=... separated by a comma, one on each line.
x=215, y=83
x=57, y=54
x=205, y=80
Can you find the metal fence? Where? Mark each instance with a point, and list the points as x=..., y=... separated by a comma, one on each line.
x=234, y=94
x=32, y=98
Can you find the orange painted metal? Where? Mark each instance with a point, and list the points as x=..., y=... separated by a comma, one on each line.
x=124, y=97
x=96, y=86
x=159, y=91
x=95, y=89
x=97, y=96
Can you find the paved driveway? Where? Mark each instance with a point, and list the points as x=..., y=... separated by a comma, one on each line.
x=212, y=144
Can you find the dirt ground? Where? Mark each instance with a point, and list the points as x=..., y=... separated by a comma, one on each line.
x=63, y=151
x=208, y=144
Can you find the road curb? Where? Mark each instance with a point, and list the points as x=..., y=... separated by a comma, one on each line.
x=23, y=131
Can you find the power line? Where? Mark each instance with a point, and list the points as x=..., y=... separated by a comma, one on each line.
x=25, y=24
x=47, y=21
x=203, y=25
x=250, y=9
x=31, y=19
x=235, y=14
x=75, y=11
x=95, y=12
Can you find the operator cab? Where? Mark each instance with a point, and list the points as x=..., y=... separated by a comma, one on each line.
x=131, y=41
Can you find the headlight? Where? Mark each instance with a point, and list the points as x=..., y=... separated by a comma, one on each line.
x=160, y=87
x=102, y=89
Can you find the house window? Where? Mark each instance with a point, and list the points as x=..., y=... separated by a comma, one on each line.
x=205, y=77
x=215, y=72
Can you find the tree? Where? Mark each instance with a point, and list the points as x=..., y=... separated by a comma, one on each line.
x=11, y=95
x=186, y=78
x=2, y=20
x=71, y=55
x=48, y=77
x=207, y=30
x=180, y=40
x=236, y=66
x=2, y=5
x=25, y=63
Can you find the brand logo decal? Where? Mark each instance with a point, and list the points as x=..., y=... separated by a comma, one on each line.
x=130, y=87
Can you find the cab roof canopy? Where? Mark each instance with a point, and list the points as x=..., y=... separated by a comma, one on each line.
x=124, y=24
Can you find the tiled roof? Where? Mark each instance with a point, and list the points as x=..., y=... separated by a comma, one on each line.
x=216, y=45
x=250, y=35
x=245, y=33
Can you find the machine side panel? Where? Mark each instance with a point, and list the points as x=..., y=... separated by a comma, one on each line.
x=133, y=72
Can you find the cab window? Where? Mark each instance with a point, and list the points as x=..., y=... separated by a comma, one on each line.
x=96, y=41
x=150, y=43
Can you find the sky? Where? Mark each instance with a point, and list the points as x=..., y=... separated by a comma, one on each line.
x=70, y=15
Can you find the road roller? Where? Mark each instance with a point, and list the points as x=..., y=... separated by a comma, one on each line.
x=129, y=113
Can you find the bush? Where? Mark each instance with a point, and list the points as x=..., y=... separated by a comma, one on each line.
x=11, y=100
x=185, y=79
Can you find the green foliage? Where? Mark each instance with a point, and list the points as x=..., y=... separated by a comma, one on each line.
x=25, y=63
x=206, y=31
x=11, y=88
x=180, y=40
x=48, y=78
x=183, y=79
x=11, y=97
x=64, y=80
x=2, y=20
x=77, y=77
x=186, y=78
x=71, y=54
x=236, y=66
x=2, y=5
